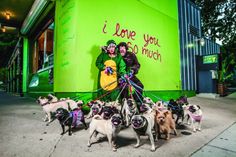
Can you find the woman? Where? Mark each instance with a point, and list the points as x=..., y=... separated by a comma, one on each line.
x=111, y=66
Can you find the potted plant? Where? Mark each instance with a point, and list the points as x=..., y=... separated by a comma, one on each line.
x=226, y=73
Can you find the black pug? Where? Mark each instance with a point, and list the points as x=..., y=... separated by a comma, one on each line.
x=108, y=112
x=176, y=109
x=70, y=119
x=182, y=100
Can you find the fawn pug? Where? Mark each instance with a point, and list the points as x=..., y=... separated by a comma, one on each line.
x=110, y=128
x=143, y=125
x=129, y=109
x=95, y=108
x=49, y=107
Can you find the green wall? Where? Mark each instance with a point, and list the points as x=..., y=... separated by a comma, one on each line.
x=25, y=68
x=83, y=26
x=40, y=83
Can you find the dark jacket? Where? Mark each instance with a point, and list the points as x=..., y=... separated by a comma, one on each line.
x=131, y=62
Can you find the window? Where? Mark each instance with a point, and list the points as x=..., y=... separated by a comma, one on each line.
x=43, y=49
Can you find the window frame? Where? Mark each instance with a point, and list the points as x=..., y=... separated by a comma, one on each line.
x=35, y=43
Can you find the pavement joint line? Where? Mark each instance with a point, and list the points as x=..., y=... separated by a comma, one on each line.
x=222, y=148
x=55, y=146
x=212, y=139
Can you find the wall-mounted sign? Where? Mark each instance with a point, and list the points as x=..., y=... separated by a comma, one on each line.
x=34, y=81
x=210, y=59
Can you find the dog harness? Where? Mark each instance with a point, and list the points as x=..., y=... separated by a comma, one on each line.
x=196, y=118
x=142, y=130
x=77, y=117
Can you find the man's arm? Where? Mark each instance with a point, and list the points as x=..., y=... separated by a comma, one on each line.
x=135, y=66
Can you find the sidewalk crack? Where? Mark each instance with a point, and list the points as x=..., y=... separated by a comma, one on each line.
x=55, y=146
x=221, y=148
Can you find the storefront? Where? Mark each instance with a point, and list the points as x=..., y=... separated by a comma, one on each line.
x=14, y=75
x=62, y=40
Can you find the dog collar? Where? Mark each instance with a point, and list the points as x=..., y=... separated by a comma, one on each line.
x=45, y=103
x=132, y=110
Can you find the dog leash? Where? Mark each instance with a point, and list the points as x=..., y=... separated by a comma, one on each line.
x=102, y=96
x=120, y=93
x=137, y=91
x=68, y=118
x=144, y=91
x=173, y=107
x=77, y=97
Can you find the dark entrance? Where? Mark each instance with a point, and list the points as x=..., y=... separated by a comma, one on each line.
x=207, y=67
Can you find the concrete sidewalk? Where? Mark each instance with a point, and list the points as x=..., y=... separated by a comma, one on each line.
x=223, y=145
x=24, y=134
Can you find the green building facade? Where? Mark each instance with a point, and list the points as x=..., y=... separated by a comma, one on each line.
x=62, y=40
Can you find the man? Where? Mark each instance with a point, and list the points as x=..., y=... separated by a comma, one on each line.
x=132, y=68
x=110, y=65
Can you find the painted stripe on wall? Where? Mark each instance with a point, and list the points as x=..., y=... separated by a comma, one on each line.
x=25, y=64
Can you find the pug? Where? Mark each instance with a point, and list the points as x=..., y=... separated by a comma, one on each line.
x=115, y=104
x=195, y=117
x=51, y=98
x=108, y=111
x=44, y=103
x=110, y=128
x=143, y=125
x=148, y=101
x=73, y=104
x=176, y=109
x=165, y=123
x=70, y=119
x=49, y=107
x=95, y=108
x=182, y=100
x=160, y=105
x=145, y=108
x=62, y=99
x=129, y=109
